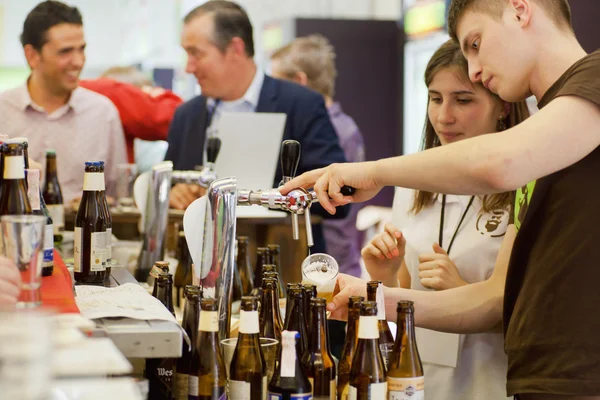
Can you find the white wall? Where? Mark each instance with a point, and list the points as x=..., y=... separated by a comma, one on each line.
x=133, y=31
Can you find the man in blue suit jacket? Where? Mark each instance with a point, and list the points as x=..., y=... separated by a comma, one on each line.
x=217, y=37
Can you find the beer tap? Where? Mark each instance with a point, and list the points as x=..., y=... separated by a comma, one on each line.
x=207, y=174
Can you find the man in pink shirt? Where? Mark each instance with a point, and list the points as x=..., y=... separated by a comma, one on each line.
x=52, y=111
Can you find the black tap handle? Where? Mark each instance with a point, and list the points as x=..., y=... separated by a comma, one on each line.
x=290, y=157
x=213, y=145
x=348, y=190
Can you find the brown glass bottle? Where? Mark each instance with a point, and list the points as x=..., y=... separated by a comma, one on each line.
x=262, y=256
x=289, y=381
x=106, y=214
x=164, y=292
x=183, y=265
x=386, y=339
x=367, y=374
x=208, y=365
x=275, y=259
x=405, y=375
x=53, y=197
x=248, y=371
x=294, y=317
x=310, y=292
x=90, y=229
x=14, y=200
x=271, y=324
x=244, y=266
x=160, y=372
x=183, y=367
x=354, y=304
x=317, y=361
x=159, y=267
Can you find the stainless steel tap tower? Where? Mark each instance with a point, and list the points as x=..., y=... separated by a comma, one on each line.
x=220, y=224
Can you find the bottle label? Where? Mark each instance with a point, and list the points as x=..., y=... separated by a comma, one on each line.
x=300, y=396
x=48, y=260
x=93, y=182
x=97, y=253
x=180, y=389
x=239, y=390
x=374, y=391
x=160, y=374
x=209, y=321
x=332, y=391
x=380, y=303
x=192, y=387
x=77, y=253
x=108, y=247
x=249, y=322
x=288, y=356
x=33, y=189
x=14, y=167
x=406, y=388
x=57, y=212
x=367, y=328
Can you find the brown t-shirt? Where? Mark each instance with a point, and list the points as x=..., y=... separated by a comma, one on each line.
x=552, y=294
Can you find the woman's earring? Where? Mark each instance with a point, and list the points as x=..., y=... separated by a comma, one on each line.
x=501, y=124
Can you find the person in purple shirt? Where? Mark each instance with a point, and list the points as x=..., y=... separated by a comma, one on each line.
x=310, y=61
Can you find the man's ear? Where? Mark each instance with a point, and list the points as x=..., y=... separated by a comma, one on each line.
x=301, y=78
x=32, y=56
x=521, y=11
x=238, y=46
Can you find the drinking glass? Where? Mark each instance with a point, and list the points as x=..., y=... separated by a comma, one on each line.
x=22, y=237
x=321, y=270
x=126, y=174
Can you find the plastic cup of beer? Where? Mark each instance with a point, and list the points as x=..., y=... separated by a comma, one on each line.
x=321, y=270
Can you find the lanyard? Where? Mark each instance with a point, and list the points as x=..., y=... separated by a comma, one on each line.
x=441, y=235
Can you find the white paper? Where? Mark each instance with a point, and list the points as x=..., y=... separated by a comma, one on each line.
x=96, y=389
x=250, y=139
x=140, y=195
x=129, y=300
x=90, y=357
x=438, y=347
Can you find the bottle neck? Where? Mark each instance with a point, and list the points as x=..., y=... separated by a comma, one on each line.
x=51, y=170
x=353, y=318
x=249, y=322
x=268, y=303
x=319, y=339
x=379, y=298
x=406, y=329
x=14, y=167
x=93, y=182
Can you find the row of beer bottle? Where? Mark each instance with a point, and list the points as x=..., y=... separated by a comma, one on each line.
x=93, y=228
x=20, y=193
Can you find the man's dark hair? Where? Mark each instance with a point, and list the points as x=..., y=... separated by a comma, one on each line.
x=230, y=20
x=558, y=10
x=43, y=17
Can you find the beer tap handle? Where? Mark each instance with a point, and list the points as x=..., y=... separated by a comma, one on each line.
x=290, y=158
x=295, y=227
x=213, y=145
x=308, y=227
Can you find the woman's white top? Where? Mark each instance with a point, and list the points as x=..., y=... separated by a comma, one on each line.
x=466, y=367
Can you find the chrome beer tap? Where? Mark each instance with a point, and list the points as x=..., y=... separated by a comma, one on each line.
x=207, y=174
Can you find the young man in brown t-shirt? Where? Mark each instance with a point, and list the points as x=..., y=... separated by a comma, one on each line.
x=544, y=290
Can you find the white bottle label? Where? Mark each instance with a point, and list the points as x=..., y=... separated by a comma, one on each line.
x=249, y=322
x=239, y=390
x=380, y=298
x=367, y=328
x=288, y=355
x=57, y=212
x=181, y=386
x=48, y=259
x=33, y=189
x=192, y=386
x=375, y=391
x=108, y=247
x=97, y=252
x=14, y=167
x=406, y=388
x=93, y=181
x=209, y=321
x=77, y=250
